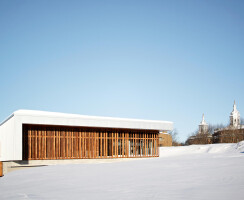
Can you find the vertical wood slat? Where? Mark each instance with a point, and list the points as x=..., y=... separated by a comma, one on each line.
x=71, y=144
x=83, y=145
x=89, y=145
x=45, y=143
x=153, y=142
x=144, y=142
x=66, y=136
x=33, y=143
x=157, y=145
x=53, y=143
x=1, y=169
x=92, y=145
x=122, y=143
x=97, y=144
x=39, y=143
x=79, y=144
x=56, y=144
x=117, y=145
x=104, y=145
x=147, y=145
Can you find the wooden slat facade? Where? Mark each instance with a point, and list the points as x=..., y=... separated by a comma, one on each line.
x=46, y=142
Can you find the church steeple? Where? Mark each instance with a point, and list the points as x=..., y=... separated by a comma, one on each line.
x=203, y=126
x=234, y=106
x=235, y=117
x=203, y=120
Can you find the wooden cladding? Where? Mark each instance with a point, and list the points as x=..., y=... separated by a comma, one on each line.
x=43, y=142
x=1, y=169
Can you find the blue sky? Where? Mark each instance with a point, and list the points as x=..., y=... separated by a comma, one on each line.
x=159, y=60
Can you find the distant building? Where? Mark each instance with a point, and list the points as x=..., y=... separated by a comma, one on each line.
x=165, y=139
x=232, y=133
x=235, y=117
x=203, y=126
x=203, y=136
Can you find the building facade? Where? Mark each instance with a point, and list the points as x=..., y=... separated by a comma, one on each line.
x=37, y=135
x=164, y=140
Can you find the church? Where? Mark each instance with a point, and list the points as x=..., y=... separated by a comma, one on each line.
x=203, y=136
x=231, y=134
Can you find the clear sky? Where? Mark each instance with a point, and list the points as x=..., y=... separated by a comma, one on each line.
x=159, y=60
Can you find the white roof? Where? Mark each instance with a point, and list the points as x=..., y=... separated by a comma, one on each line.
x=55, y=118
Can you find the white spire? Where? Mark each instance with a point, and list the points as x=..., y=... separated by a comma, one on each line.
x=203, y=120
x=203, y=126
x=234, y=116
x=234, y=107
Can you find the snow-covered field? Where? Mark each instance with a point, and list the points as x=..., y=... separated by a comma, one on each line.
x=193, y=172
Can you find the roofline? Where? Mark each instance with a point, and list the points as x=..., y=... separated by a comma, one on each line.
x=74, y=116
x=8, y=118
x=45, y=113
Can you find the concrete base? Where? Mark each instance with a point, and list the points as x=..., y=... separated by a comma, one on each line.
x=10, y=166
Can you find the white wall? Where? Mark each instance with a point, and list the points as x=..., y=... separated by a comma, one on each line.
x=7, y=132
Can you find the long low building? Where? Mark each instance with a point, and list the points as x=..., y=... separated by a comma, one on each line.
x=40, y=135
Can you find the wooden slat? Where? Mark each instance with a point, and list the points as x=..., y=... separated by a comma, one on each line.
x=83, y=145
x=53, y=144
x=1, y=169
x=72, y=144
x=39, y=143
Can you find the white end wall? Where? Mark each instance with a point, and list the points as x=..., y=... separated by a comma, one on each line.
x=8, y=148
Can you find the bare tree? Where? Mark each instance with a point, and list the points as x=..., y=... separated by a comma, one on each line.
x=213, y=127
x=242, y=121
x=175, y=139
x=190, y=136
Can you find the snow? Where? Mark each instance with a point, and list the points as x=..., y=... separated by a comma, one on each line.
x=202, y=149
x=67, y=115
x=191, y=172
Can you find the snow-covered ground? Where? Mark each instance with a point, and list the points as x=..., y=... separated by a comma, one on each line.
x=192, y=172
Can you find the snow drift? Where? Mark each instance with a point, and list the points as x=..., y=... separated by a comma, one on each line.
x=202, y=149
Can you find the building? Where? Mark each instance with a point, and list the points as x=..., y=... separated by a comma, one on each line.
x=203, y=126
x=232, y=133
x=37, y=135
x=235, y=117
x=164, y=139
x=202, y=136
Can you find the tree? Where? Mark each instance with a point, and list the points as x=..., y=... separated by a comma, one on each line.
x=242, y=121
x=213, y=127
x=175, y=139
